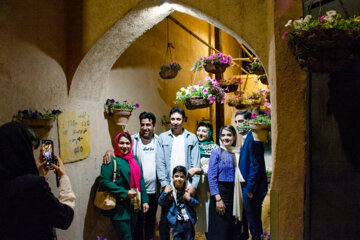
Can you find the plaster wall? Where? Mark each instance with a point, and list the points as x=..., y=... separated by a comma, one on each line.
x=36, y=44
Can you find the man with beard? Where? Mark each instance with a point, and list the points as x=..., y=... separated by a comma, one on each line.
x=144, y=145
x=176, y=147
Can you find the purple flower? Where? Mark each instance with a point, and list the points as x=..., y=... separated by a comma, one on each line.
x=227, y=89
x=218, y=54
x=54, y=112
x=137, y=105
x=212, y=61
x=34, y=115
x=200, y=83
x=112, y=100
x=173, y=63
x=25, y=112
x=283, y=37
x=211, y=57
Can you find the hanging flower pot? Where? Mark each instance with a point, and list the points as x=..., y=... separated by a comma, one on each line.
x=324, y=45
x=231, y=84
x=39, y=123
x=215, y=63
x=260, y=126
x=169, y=71
x=120, y=116
x=240, y=106
x=256, y=67
x=262, y=78
x=215, y=67
x=197, y=102
x=201, y=95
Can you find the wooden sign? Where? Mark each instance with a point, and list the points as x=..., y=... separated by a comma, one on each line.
x=74, y=135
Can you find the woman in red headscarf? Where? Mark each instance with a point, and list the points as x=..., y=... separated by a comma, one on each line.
x=129, y=187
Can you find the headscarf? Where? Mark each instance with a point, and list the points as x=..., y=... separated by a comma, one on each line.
x=135, y=173
x=16, y=152
x=205, y=150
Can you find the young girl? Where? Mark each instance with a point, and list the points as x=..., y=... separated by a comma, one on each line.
x=181, y=214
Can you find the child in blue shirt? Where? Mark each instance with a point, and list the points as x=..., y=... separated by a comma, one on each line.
x=181, y=214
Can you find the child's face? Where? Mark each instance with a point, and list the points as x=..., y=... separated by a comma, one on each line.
x=179, y=180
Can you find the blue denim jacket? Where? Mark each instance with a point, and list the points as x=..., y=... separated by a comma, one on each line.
x=171, y=215
x=163, y=156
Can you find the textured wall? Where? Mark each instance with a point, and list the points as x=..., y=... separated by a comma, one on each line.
x=47, y=45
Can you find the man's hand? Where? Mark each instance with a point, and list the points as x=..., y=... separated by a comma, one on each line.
x=145, y=207
x=250, y=195
x=107, y=156
x=190, y=189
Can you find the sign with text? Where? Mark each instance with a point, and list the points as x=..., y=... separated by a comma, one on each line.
x=74, y=135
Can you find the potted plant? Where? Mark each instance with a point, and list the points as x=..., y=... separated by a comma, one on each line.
x=268, y=175
x=40, y=122
x=202, y=95
x=244, y=127
x=326, y=44
x=120, y=112
x=260, y=126
x=231, y=84
x=256, y=67
x=215, y=63
x=240, y=101
x=262, y=78
x=170, y=70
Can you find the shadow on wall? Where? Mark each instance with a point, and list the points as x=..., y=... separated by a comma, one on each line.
x=344, y=90
x=96, y=224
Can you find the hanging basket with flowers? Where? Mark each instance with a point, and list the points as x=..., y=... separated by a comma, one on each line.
x=169, y=71
x=260, y=126
x=231, y=84
x=40, y=122
x=215, y=63
x=202, y=95
x=239, y=101
x=256, y=67
x=326, y=44
x=120, y=112
x=262, y=78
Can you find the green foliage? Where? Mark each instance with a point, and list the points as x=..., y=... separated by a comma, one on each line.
x=30, y=114
x=174, y=66
x=111, y=103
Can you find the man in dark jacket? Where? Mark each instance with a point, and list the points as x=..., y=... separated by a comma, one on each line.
x=252, y=168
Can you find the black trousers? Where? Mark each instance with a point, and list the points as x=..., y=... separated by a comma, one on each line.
x=145, y=225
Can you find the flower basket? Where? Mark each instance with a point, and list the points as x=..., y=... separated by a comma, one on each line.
x=264, y=80
x=239, y=106
x=215, y=68
x=168, y=73
x=120, y=116
x=260, y=131
x=197, y=102
x=258, y=71
x=231, y=88
x=40, y=126
x=324, y=50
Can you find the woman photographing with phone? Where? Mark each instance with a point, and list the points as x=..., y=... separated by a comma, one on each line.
x=28, y=208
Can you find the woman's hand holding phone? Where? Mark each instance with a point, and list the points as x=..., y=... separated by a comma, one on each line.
x=59, y=168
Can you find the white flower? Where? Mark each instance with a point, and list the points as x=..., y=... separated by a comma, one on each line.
x=288, y=23
x=307, y=18
x=329, y=18
x=182, y=89
x=331, y=13
x=297, y=23
x=197, y=87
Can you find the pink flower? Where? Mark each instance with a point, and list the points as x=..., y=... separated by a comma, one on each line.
x=218, y=54
x=211, y=57
x=212, y=61
x=322, y=18
x=205, y=91
x=201, y=59
x=283, y=37
x=227, y=89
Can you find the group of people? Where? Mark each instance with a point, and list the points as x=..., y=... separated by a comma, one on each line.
x=220, y=188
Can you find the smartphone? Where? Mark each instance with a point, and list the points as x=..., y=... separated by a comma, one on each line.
x=47, y=147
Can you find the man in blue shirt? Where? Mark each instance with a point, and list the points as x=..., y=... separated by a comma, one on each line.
x=176, y=147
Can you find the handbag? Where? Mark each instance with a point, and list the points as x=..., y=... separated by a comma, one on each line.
x=104, y=199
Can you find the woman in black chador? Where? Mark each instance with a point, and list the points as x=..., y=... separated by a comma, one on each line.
x=28, y=209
